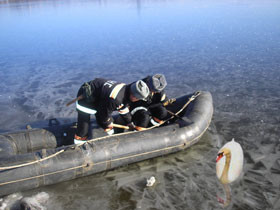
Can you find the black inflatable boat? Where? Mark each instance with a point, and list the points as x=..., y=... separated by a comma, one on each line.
x=38, y=157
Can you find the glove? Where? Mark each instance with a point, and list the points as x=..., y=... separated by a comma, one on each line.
x=169, y=101
x=109, y=130
x=131, y=126
x=110, y=126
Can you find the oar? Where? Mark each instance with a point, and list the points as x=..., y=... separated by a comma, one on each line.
x=120, y=126
x=127, y=128
x=74, y=100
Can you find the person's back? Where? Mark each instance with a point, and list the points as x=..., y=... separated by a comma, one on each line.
x=97, y=85
x=91, y=90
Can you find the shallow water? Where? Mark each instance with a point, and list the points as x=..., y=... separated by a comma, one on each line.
x=49, y=48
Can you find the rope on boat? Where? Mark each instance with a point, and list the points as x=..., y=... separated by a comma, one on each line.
x=29, y=163
x=76, y=167
x=102, y=162
x=42, y=175
x=185, y=105
x=196, y=94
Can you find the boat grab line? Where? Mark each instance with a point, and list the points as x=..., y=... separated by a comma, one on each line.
x=86, y=165
x=57, y=153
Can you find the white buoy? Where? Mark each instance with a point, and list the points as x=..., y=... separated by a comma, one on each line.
x=229, y=162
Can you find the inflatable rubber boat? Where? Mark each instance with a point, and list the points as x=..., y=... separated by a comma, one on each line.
x=39, y=157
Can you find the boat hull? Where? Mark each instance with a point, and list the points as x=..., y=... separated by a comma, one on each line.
x=52, y=166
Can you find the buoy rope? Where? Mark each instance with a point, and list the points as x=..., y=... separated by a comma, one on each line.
x=104, y=137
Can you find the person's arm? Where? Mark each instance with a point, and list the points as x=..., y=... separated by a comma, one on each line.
x=105, y=114
x=159, y=98
x=163, y=97
x=125, y=114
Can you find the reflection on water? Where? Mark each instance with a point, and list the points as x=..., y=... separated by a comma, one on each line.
x=227, y=194
x=231, y=48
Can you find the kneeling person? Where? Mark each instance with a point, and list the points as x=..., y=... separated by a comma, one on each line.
x=101, y=97
x=152, y=110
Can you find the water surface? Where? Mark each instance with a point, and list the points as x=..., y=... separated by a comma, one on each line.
x=49, y=48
